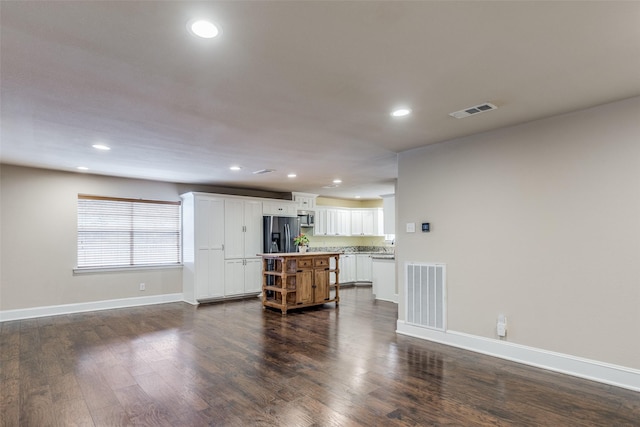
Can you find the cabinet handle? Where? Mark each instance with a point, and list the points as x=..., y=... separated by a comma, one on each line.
x=298, y=271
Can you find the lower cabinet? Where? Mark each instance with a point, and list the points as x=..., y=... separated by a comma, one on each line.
x=364, y=266
x=384, y=280
x=242, y=276
x=354, y=268
x=312, y=280
x=348, y=268
x=208, y=265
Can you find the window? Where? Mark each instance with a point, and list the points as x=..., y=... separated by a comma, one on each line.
x=127, y=232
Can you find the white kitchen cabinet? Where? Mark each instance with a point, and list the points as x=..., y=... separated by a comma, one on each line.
x=243, y=228
x=343, y=222
x=243, y=241
x=366, y=222
x=347, y=268
x=384, y=280
x=320, y=228
x=348, y=222
x=389, y=209
x=305, y=201
x=203, y=247
x=243, y=276
x=364, y=268
x=280, y=208
x=333, y=222
x=253, y=276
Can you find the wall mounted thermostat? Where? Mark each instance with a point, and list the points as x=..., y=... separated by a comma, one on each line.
x=426, y=227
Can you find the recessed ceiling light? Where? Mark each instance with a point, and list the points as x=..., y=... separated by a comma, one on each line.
x=400, y=112
x=337, y=181
x=82, y=168
x=291, y=175
x=101, y=147
x=204, y=29
x=235, y=168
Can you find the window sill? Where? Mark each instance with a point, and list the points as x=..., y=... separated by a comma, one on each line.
x=98, y=270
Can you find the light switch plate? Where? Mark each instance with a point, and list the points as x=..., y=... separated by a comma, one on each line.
x=411, y=227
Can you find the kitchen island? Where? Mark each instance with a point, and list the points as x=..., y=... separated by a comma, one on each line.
x=297, y=280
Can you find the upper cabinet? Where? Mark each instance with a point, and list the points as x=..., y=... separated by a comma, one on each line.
x=243, y=228
x=348, y=222
x=366, y=222
x=280, y=208
x=389, y=207
x=305, y=201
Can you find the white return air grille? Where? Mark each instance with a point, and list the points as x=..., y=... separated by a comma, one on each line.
x=426, y=299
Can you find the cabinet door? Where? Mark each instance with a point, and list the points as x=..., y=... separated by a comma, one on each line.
x=378, y=222
x=209, y=240
x=321, y=285
x=253, y=276
x=234, y=229
x=343, y=222
x=253, y=229
x=320, y=228
x=305, y=203
x=234, y=277
x=364, y=267
x=363, y=222
x=368, y=223
x=352, y=268
x=356, y=222
x=332, y=217
x=304, y=286
x=280, y=209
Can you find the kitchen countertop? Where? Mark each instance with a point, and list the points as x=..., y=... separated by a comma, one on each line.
x=297, y=254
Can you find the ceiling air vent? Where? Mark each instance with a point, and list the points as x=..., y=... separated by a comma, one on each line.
x=262, y=171
x=477, y=109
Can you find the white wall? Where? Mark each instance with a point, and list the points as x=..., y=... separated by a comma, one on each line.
x=540, y=222
x=38, y=240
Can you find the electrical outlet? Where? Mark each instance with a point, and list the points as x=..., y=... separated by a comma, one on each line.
x=142, y=286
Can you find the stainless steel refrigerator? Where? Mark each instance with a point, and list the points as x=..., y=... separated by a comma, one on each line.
x=279, y=232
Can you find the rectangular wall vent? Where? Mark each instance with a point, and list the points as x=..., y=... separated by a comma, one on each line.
x=476, y=109
x=425, y=293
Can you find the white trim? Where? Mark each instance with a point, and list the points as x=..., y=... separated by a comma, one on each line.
x=54, y=310
x=619, y=376
x=395, y=300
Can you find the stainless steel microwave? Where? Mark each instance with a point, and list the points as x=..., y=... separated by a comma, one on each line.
x=307, y=218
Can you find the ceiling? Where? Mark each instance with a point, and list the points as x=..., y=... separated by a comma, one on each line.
x=304, y=87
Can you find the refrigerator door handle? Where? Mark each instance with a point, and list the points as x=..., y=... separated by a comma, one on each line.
x=287, y=238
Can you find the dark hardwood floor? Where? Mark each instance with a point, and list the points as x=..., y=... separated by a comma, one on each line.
x=236, y=364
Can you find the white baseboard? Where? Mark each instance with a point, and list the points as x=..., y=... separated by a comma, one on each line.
x=54, y=310
x=615, y=375
x=394, y=300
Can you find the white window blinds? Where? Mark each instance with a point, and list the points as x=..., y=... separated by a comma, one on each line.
x=127, y=232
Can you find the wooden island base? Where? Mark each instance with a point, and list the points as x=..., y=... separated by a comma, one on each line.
x=298, y=280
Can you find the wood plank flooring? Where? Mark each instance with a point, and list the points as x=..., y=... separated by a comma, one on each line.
x=235, y=364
